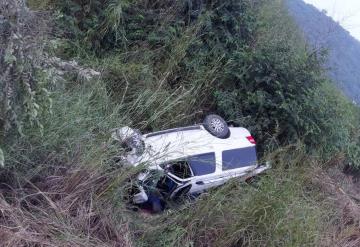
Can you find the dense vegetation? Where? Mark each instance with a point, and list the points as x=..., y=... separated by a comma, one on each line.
x=164, y=64
x=239, y=59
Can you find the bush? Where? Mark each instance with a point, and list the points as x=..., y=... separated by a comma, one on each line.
x=275, y=86
x=165, y=64
x=21, y=92
x=265, y=81
x=329, y=120
x=242, y=59
x=25, y=78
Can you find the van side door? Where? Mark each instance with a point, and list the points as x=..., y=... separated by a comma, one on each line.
x=204, y=169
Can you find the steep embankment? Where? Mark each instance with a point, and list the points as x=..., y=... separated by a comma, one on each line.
x=165, y=64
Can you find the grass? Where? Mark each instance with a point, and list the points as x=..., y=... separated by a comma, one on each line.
x=83, y=206
x=61, y=188
x=282, y=210
x=69, y=193
x=38, y=4
x=64, y=209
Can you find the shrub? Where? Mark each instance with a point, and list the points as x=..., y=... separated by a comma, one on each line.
x=275, y=86
x=24, y=78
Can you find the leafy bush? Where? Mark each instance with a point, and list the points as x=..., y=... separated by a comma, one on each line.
x=119, y=23
x=260, y=88
x=165, y=64
x=329, y=120
x=275, y=86
x=19, y=89
x=242, y=59
x=24, y=78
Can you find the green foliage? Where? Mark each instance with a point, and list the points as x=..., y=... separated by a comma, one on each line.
x=242, y=59
x=265, y=80
x=275, y=86
x=38, y=4
x=23, y=96
x=165, y=64
x=330, y=120
x=105, y=25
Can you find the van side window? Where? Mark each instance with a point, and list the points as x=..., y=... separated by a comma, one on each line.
x=238, y=158
x=202, y=164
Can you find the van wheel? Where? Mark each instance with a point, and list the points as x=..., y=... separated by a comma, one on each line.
x=216, y=126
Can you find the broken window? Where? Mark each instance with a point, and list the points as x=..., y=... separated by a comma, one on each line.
x=180, y=169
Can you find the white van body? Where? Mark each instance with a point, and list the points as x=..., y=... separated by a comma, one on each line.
x=207, y=161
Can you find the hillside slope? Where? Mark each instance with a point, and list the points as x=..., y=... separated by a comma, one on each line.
x=343, y=49
x=158, y=65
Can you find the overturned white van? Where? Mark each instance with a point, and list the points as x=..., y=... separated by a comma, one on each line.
x=189, y=160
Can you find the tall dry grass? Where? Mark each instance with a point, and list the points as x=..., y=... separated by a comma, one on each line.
x=68, y=208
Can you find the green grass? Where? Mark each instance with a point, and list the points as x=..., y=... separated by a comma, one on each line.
x=282, y=210
x=64, y=189
x=38, y=4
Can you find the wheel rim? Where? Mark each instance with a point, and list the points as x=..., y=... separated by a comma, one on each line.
x=217, y=125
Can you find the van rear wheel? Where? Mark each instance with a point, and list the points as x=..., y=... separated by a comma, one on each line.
x=216, y=126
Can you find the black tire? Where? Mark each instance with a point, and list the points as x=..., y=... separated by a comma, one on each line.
x=216, y=126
